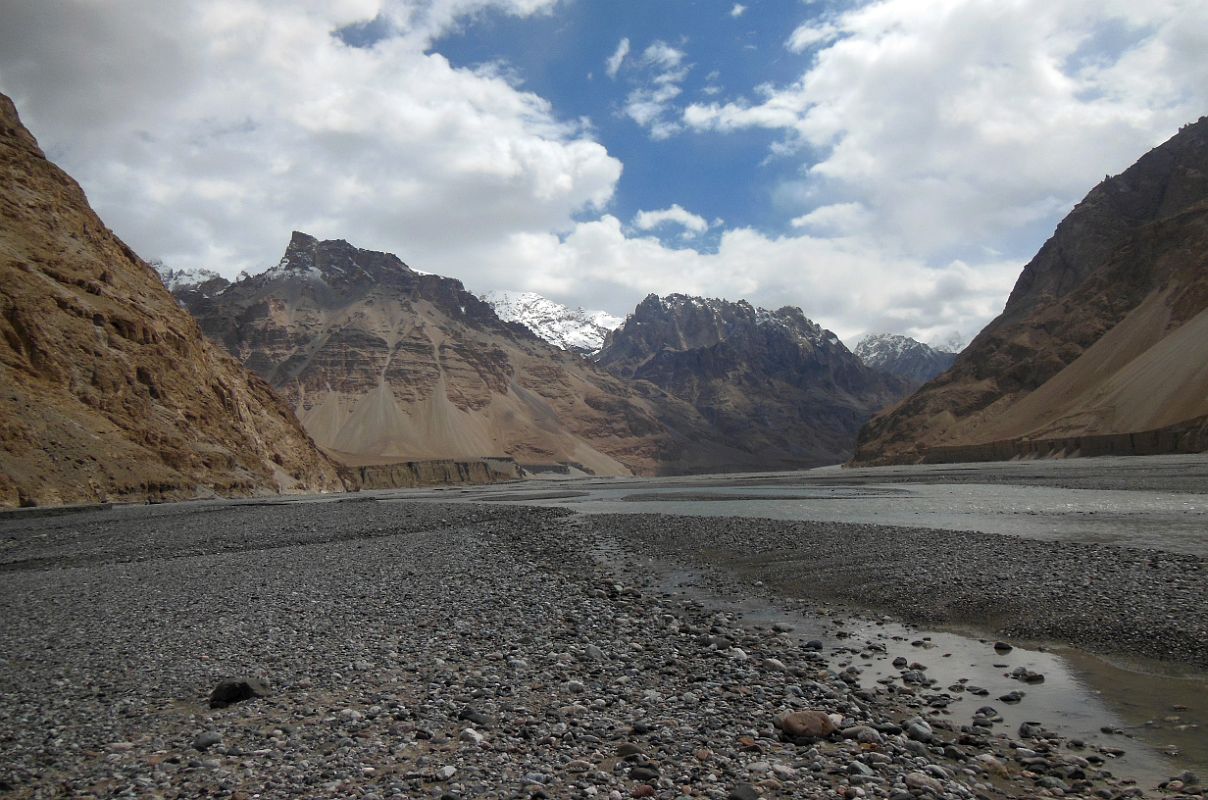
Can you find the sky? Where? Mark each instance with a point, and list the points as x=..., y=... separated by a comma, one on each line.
x=885, y=165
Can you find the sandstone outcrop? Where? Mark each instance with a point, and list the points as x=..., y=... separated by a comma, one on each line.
x=109, y=389
x=1103, y=344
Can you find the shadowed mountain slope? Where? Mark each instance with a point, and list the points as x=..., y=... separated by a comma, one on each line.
x=1103, y=344
x=771, y=380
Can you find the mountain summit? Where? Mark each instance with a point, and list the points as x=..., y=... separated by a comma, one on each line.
x=773, y=382
x=908, y=359
x=1102, y=345
x=570, y=329
x=382, y=362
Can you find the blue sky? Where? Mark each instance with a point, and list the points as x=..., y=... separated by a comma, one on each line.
x=885, y=165
x=563, y=56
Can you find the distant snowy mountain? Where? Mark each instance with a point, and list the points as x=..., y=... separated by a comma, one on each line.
x=189, y=281
x=902, y=356
x=952, y=343
x=571, y=329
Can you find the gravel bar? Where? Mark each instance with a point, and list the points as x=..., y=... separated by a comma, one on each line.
x=1109, y=600
x=419, y=650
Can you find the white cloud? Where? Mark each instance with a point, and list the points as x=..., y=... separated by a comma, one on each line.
x=205, y=132
x=662, y=55
x=613, y=65
x=738, y=10
x=961, y=125
x=810, y=34
x=835, y=218
x=674, y=215
x=657, y=86
x=908, y=158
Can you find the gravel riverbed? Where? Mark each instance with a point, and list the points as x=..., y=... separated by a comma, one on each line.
x=457, y=651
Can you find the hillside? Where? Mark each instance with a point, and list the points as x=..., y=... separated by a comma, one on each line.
x=1103, y=344
x=383, y=362
x=110, y=390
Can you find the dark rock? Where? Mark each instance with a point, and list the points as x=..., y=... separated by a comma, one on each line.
x=744, y=791
x=236, y=691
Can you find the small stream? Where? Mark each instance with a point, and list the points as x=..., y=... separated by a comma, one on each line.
x=1157, y=711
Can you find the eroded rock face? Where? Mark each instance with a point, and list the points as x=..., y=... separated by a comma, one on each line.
x=109, y=390
x=383, y=363
x=1105, y=333
x=771, y=380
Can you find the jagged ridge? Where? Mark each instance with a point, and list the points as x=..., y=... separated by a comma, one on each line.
x=774, y=381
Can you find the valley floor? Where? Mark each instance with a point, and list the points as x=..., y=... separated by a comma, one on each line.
x=430, y=649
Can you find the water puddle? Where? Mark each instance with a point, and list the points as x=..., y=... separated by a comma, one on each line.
x=1154, y=714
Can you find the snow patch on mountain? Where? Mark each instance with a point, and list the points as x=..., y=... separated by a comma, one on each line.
x=570, y=329
x=205, y=281
x=902, y=356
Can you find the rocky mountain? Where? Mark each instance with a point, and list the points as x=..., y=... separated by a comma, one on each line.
x=952, y=343
x=382, y=362
x=906, y=358
x=109, y=389
x=576, y=330
x=771, y=380
x=185, y=284
x=1103, y=342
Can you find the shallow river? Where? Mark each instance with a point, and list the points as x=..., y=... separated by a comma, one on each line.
x=1159, y=711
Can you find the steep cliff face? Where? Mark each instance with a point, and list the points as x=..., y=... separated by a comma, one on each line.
x=109, y=390
x=383, y=363
x=903, y=357
x=772, y=382
x=1105, y=333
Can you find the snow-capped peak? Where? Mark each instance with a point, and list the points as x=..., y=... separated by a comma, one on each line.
x=178, y=279
x=902, y=356
x=571, y=329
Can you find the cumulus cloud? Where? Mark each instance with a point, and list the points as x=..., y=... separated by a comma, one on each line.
x=674, y=215
x=613, y=65
x=657, y=86
x=738, y=10
x=916, y=172
x=960, y=125
x=204, y=133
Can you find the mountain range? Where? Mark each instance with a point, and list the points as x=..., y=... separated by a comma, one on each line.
x=339, y=359
x=381, y=362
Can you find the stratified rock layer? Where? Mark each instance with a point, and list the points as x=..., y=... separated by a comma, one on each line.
x=382, y=363
x=772, y=381
x=109, y=389
x=1103, y=344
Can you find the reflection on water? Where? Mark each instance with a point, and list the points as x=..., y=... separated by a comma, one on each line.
x=1155, y=716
